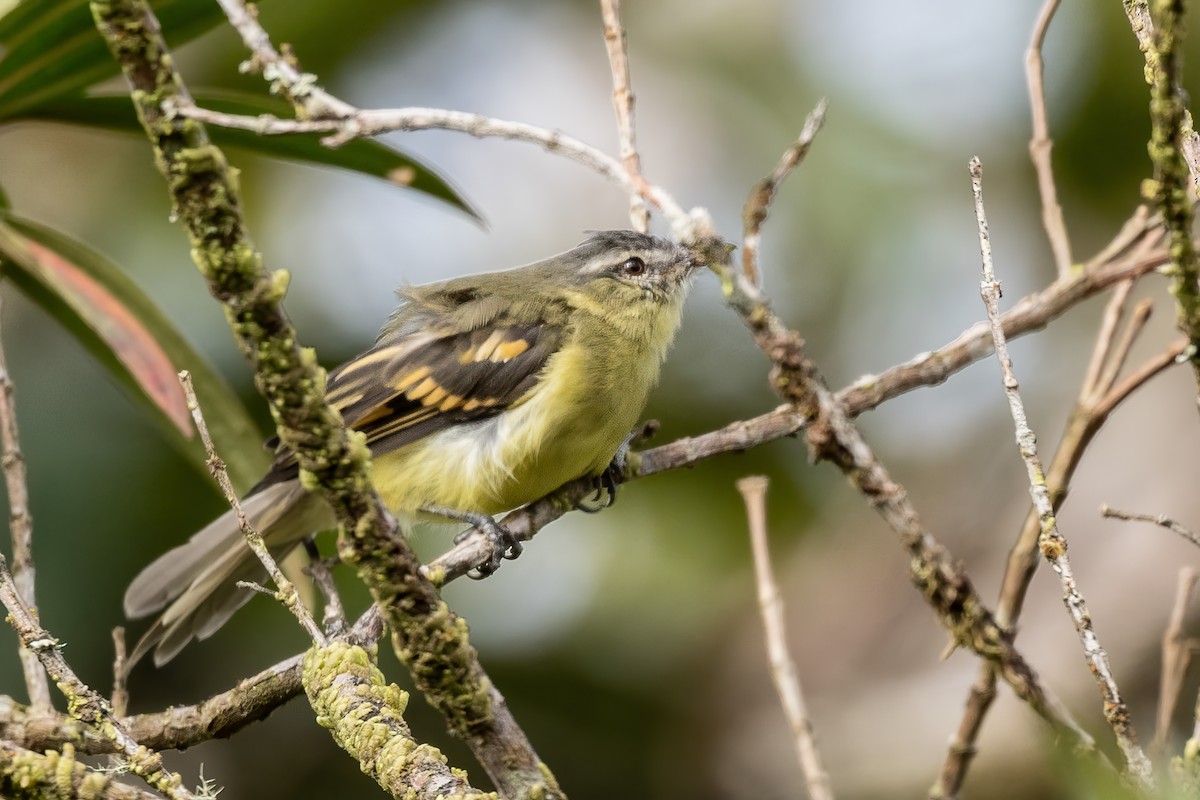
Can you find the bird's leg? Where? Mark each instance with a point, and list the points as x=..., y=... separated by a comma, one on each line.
x=606, y=482
x=504, y=543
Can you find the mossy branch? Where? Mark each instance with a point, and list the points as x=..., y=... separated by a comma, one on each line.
x=1169, y=189
x=54, y=775
x=365, y=714
x=205, y=197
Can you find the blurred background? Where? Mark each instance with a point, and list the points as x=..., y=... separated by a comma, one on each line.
x=628, y=643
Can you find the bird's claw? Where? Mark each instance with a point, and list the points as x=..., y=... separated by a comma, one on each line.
x=505, y=544
x=606, y=484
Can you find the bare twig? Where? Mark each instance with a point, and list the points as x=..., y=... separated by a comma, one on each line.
x=1098, y=397
x=120, y=694
x=1051, y=542
x=1040, y=144
x=372, y=122
x=20, y=525
x=618, y=62
x=1176, y=656
x=1160, y=520
x=85, y=703
x=783, y=669
x=326, y=114
x=297, y=87
x=285, y=592
x=935, y=573
x=754, y=213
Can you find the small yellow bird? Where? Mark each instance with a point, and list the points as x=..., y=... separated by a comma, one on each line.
x=480, y=395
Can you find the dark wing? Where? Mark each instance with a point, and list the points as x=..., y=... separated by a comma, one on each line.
x=408, y=387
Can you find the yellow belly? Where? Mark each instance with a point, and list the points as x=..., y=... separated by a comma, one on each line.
x=569, y=426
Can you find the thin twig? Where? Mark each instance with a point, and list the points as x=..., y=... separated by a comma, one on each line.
x=783, y=668
x=1176, y=656
x=1051, y=542
x=373, y=122
x=754, y=213
x=1134, y=380
x=1160, y=520
x=324, y=113
x=284, y=592
x=1101, y=358
x=1040, y=144
x=85, y=703
x=1096, y=402
x=618, y=61
x=298, y=87
x=935, y=573
x=120, y=694
x=1117, y=350
x=20, y=525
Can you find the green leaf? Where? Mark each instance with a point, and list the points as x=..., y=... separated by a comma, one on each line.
x=133, y=339
x=52, y=49
x=115, y=112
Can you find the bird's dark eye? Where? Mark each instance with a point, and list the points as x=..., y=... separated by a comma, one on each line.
x=633, y=266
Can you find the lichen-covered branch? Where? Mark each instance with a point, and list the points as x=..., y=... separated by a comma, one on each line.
x=178, y=727
x=365, y=715
x=428, y=637
x=29, y=775
x=1169, y=189
x=83, y=702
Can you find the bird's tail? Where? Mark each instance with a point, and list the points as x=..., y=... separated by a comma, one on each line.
x=199, y=579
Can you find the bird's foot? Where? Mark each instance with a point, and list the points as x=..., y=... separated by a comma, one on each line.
x=504, y=542
x=605, y=484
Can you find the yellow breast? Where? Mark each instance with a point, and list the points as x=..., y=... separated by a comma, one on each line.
x=570, y=425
